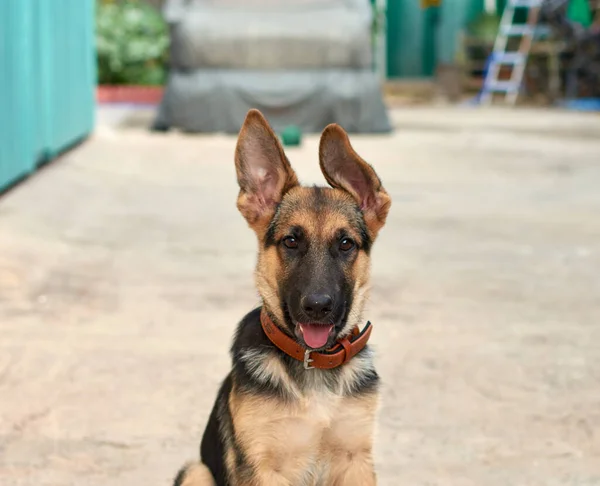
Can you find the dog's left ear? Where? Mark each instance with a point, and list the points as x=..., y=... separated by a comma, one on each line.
x=345, y=169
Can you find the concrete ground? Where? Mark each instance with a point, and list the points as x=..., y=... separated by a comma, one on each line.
x=124, y=267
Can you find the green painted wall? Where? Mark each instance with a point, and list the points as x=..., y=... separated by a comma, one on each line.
x=404, y=38
x=47, y=81
x=419, y=38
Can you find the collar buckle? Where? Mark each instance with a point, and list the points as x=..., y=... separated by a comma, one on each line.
x=307, y=360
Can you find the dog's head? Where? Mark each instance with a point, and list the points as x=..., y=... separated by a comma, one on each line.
x=314, y=242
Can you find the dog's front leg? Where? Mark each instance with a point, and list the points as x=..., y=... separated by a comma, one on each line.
x=348, y=444
x=264, y=478
x=352, y=468
x=271, y=470
x=277, y=444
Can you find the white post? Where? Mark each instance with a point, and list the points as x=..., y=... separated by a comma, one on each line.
x=381, y=39
x=490, y=6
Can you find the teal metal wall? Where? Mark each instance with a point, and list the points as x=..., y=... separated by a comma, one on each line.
x=405, y=29
x=418, y=39
x=17, y=153
x=454, y=17
x=47, y=81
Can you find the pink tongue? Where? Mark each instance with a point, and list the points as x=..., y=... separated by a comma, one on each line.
x=315, y=335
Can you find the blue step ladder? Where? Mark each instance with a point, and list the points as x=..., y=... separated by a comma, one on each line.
x=515, y=60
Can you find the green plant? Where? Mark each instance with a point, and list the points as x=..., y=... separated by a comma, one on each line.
x=132, y=42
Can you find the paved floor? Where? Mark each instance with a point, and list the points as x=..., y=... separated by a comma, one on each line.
x=124, y=267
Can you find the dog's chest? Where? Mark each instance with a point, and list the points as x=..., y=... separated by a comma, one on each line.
x=312, y=420
x=304, y=436
x=320, y=407
x=323, y=426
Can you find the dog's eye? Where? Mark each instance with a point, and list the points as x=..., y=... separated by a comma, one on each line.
x=346, y=244
x=290, y=242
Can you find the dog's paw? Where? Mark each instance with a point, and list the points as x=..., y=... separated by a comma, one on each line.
x=194, y=474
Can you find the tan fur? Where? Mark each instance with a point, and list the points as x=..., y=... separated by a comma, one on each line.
x=348, y=443
x=297, y=210
x=230, y=462
x=321, y=438
x=197, y=474
x=268, y=272
x=360, y=273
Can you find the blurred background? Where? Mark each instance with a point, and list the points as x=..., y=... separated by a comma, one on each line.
x=197, y=66
x=124, y=265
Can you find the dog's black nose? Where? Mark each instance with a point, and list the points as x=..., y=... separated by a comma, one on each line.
x=317, y=306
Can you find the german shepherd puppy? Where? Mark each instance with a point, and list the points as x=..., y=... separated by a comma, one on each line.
x=298, y=406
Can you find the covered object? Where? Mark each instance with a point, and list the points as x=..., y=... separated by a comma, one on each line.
x=301, y=62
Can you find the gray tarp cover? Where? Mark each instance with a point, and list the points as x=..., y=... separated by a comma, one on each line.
x=302, y=62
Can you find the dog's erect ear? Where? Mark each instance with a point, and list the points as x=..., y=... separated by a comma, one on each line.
x=263, y=171
x=345, y=169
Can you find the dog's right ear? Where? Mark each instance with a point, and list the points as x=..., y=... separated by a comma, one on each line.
x=263, y=172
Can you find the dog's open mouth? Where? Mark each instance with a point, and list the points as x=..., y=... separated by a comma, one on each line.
x=316, y=335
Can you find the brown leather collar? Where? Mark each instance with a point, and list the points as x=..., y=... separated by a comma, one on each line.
x=341, y=352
